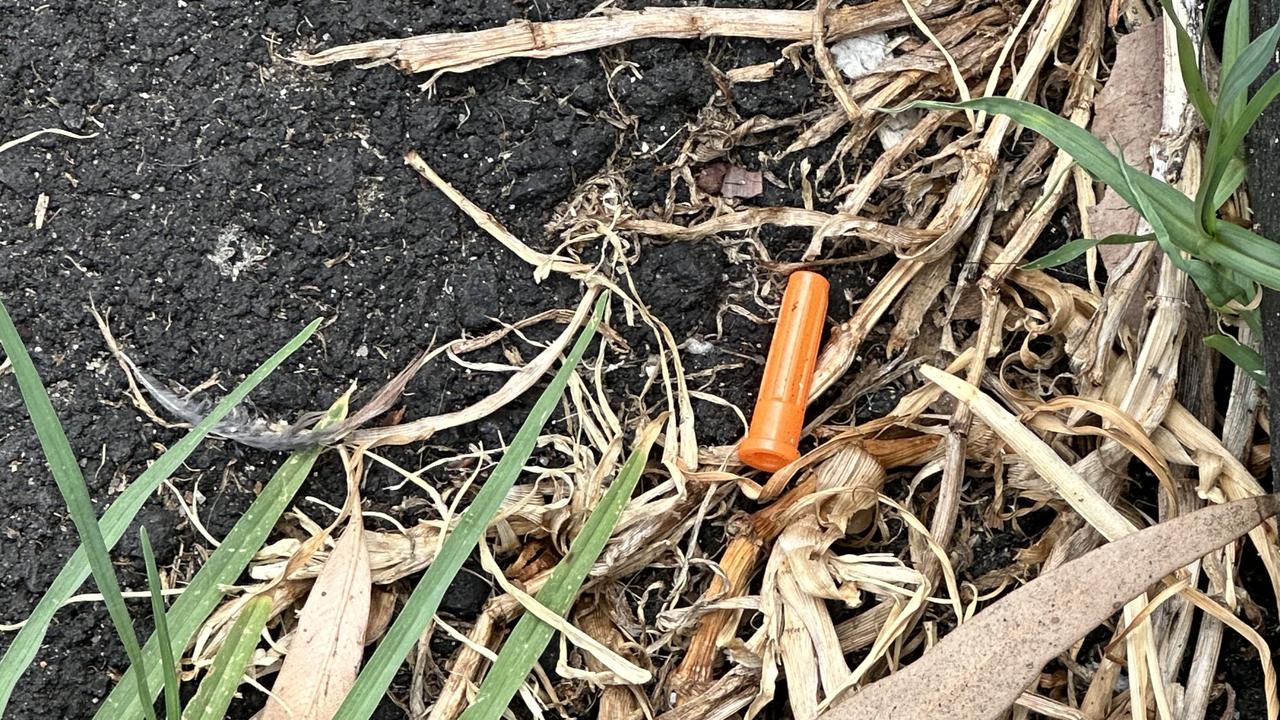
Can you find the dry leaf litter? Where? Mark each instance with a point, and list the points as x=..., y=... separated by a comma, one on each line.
x=1043, y=412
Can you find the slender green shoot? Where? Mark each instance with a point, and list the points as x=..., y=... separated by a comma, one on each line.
x=219, y=686
x=172, y=702
x=531, y=635
x=22, y=650
x=204, y=593
x=1235, y=257
x=66, y=473
x=1075, y=248
x=1241, y=355
x=1235, y=37
x=421, y=606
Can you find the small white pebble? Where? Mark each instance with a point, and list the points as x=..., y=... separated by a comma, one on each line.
x=698, y=346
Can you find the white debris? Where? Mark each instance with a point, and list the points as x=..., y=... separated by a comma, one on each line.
x=236, y=251
x=896, y=126
x=859, y=56
x=42, y=208
x=698, y=346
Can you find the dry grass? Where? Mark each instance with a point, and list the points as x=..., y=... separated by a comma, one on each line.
x=847, y=564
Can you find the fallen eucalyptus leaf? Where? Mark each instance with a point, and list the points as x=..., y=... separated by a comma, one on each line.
x=324, y=656
x=979, y=669
x=1127, y=118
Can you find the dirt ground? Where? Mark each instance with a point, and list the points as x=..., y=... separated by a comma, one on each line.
x=228, y=197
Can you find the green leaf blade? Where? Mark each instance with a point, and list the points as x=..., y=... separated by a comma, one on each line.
x=421, y=606
x=1235, y=37
x=1084, y=148
x=172, y=708
x=219, y=686
x=1242, y=356
x=530, y=637
x=116, y=520
x=1248, y=66
x=75, y=493
x=1073, y=249
x=1234, y=248
x=1231, y=137
x=203, y=594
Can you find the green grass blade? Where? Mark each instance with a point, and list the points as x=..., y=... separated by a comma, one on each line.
x=1067, y=252
x=1248, y=66
x=1218, y=282
x=1248, y=253
x=1242, y=356
x=1237, y=248
x=1235, y=33
x=1231, y=179
x=1230, y=138
x=1189, y=65
x=66, y=474
x=116, y=520
x=409, y=625
x=203, y=594
x=172, y=706
x=1073, y=249
x=531, y=635
x=219, y=686
x=1201, y=273
x=1235, y=37
x=1084, y=148
x=1222, y=147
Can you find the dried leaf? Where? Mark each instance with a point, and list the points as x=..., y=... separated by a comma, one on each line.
x=729, y=181
x=328, y=644
x=742, y=183
x=979, y=669
x=711, y=178
x=1127, y=116
x=382, y=607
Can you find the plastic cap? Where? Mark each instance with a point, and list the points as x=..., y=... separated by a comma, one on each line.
x=774, y=437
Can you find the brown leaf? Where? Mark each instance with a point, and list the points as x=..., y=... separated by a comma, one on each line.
x=740, y=182
x=1127, y=118
x=729, y=181
x=711, y=177
x=979, y=669
x=1128, y=108
x=382, y=607
x=328, y=644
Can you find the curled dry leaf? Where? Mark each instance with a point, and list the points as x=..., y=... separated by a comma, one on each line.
x=382, y=607
x=979, y=669
x=328, y=644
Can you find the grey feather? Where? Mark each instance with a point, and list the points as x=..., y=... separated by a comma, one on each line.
x=239, y=425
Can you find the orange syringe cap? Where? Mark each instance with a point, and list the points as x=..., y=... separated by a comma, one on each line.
x=774, y=437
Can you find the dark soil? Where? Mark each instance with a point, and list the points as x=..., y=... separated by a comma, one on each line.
x=207, y=143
